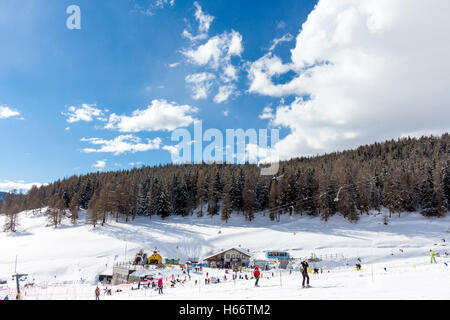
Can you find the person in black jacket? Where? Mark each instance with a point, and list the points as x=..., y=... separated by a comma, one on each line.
x=304, y=270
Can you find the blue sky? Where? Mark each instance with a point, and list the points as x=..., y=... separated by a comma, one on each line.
x=119, y=60
x=66, y=93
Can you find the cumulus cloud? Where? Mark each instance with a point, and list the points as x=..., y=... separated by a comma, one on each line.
x=364, y=71
x=85, y=112
x=215, y=55
x=7, y=112
x=200, y=84
x=172, y=149
x=122, y=144
x=99, y=164
x=224, y=93
x=266, y=114
x=21, y=186
x=217, y=51
x=204, y=20
x=160, y=115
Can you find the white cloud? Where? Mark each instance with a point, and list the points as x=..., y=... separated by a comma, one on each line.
x=204, y=20
x=200, y=84
x=285, y=38
x=99, y=164
x=7, y=112
x=172, y=149
x=173, y=65
x=266, y=114
x=217, y=51
x=224, y=93
x=86, y=112
x=160, y=115
x=122, y=144
x=22, y=186
x=149, y=9
x=136, y=164
x=226, y=113
x=364, y=71
x=162, y=3
x=215, y=55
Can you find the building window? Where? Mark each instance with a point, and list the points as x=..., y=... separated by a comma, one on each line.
x=228, y=256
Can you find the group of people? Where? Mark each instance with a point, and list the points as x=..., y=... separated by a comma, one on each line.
x=304, y=266
x=109, y=292
x=303, y=269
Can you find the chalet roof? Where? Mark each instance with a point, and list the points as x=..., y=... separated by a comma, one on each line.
x=223, y=251
x=107, y=272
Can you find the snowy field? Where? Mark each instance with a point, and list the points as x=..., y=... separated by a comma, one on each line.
x=63, y=263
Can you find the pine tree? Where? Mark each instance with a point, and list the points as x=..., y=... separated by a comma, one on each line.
x=213, y=195
x=328, y=200
x=346, y=202
x=153, y=197
x=10, y=209
x=93, y=212
x=163, y=205
x=310, y=193
x=142, y=201
x=202, y=192
x=74, y=208
x=274, y=198
x=376, y=193
x=226, y=204
x=445, y=185
x=248, y=199
x=429, y=203
x=236, y=192
x=56, y=211
x=86, y=194
x=179, y=198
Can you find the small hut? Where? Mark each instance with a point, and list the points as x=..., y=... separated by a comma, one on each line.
x=229, y=258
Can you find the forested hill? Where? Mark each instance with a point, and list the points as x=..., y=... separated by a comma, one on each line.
x=404, y=175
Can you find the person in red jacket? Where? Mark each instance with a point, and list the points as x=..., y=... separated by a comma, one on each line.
x=160, y=286
x=257, y=274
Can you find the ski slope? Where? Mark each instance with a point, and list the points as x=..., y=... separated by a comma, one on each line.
x=64, y=263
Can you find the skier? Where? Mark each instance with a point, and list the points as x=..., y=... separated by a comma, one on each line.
x=358, y=264
x=304, y=270
x=97, y=293
x=433, y=258
x=257, y=274
x=160, y=286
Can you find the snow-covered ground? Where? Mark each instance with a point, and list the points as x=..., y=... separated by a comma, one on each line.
x=65, y=262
